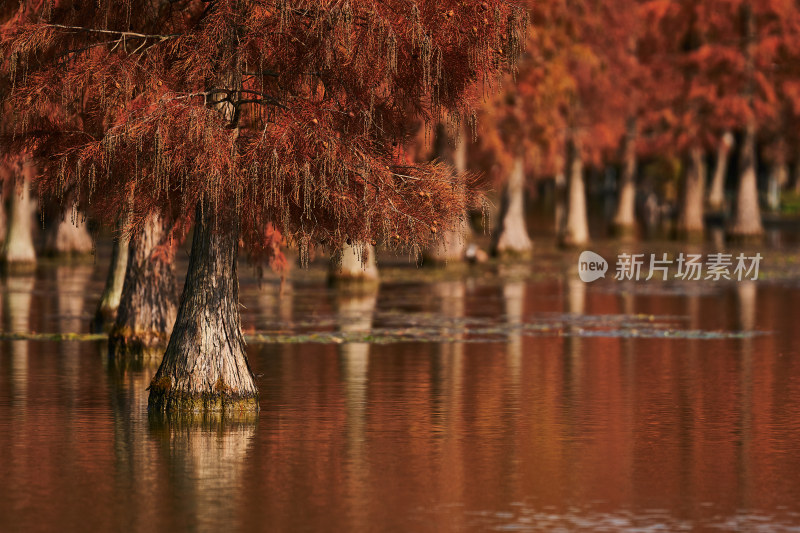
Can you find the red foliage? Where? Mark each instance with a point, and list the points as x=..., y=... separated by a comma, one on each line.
x=718, y=64
x=580, y=76
x=287, y=114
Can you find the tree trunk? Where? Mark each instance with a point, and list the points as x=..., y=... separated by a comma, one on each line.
x=691, y=223
x=68, y=235
x=452, y=244
x=576, y=232
x=513, y=238
x=797, y=175
x=716, y=194
x=148, y=302
x=18, y=251
x=560, y=200
x=106, y=313
x=747, y=222
x=205, y=367
x=778, y=179
x=3, y=228
x=353, y=265
x=624, y=224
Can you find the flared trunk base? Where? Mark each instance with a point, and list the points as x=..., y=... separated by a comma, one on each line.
x=164, y=399
x=68, y=237
x=140, y=345
x=148, y=303
x=205, y=367
x=354, y=266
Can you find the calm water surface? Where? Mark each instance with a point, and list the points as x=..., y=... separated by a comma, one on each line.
x=502, y=400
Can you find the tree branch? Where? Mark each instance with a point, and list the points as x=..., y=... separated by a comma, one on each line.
x=123, y=34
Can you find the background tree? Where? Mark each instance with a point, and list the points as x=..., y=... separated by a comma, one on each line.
x=247, y=113
x=106, y=313
x=18, y=252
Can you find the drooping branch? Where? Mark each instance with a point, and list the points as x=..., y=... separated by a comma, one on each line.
x=122, y=34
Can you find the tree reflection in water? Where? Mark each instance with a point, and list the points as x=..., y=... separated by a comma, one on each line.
x=17, y=310
x=354, y=314
x=206, y=457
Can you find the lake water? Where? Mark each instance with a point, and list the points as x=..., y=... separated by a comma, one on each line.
x=500, y=398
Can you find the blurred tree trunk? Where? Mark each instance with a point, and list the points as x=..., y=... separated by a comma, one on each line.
x=106, y=313
x=205, y=367
x=18, y=251
x=560, y=200
x=797, y=174
x=624, y=223
x=68, y=235
x=691, y=224
x=3, y=228
x=747, y=217
x=576, y=230
x=452, y=244
x=716, y=194
x=353, y=264
x=513, y=238
x=148, y=302
x=778, y=177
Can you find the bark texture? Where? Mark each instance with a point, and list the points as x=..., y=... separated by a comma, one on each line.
x=452, y=244
x=624, y=223
x=576, y=231
x=205, y=368
x=148, y=301
x=68, y=236
x=18, y=252
x=716, y=194
x=513, y=238
x=353, y=264
x=691, y=224
x=747, y=217
x=106, y=313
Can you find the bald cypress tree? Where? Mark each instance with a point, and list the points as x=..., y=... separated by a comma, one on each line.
x=248, y=115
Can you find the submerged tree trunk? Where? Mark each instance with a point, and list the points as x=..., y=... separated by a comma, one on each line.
x=576, y=231
x=68, y=235
x=747, y=218
x=205, y=367
x=353, y=264
x=106, y=313
x=452, y=244
x=148, y=302
x=624, y=223
x=513, y=238
x=18, y=251
x=691, y=224
x=716, y=194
